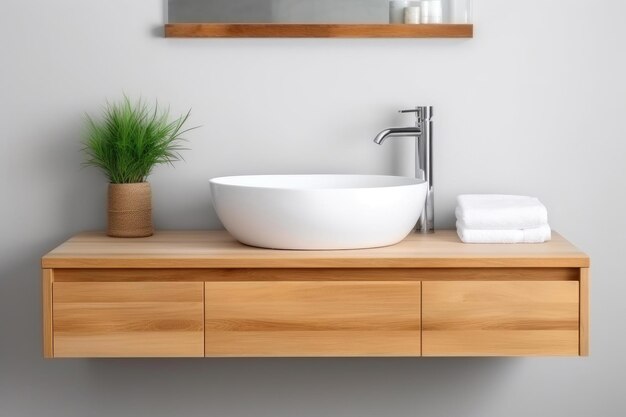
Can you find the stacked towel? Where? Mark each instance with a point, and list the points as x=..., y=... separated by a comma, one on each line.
x=491, y=218
x=534, y=235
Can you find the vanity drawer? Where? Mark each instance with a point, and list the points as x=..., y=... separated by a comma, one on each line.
x=512, y=318
x=306, y=318
x=127, y=319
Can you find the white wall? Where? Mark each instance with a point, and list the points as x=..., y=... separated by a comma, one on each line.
x=534, y=104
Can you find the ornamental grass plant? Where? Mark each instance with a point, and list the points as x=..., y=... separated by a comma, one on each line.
x=132, y=138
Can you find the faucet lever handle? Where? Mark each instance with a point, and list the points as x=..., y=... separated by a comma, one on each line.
x=421, y=112
x=415, y=110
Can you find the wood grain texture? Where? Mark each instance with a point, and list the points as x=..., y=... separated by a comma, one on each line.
x=394, y=274
x=500, y=318
x=46, y=288
x=217, y=249
x=145, y=297
x=128, y=319
x=317, y=274
x=312, y=319
x=584, y=312
x=278, y=30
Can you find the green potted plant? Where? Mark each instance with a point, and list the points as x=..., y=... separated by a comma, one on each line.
x=126, y=144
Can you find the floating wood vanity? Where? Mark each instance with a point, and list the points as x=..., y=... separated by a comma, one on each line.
x=201, y=293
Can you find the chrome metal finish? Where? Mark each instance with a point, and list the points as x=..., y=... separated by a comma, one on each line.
x=423, y=133
x=395, y=132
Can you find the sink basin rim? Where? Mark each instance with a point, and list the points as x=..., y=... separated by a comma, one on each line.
x=299, y=181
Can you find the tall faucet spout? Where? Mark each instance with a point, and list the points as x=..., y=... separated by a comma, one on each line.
x=396, y=131
x=423, y=133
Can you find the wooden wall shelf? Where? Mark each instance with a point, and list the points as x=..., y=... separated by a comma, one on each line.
x=278, y=30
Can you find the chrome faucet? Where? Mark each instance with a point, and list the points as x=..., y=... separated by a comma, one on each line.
x=423, y=133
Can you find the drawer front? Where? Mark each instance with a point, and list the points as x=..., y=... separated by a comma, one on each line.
x=514, y=318
x=128, y=319
x=312, y=318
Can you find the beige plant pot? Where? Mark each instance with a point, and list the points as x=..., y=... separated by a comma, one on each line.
x=130, y=210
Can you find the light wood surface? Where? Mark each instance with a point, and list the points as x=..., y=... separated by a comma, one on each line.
x=217, y=249
x=312, y=318
x=317, y=274
x=584, y=312
x=430, y=294
x=277, y=30
x=129, y=319
x=46, y=288
x=500, y=318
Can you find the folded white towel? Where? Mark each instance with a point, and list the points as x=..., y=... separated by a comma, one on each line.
x=494, y=211
x=534, y=235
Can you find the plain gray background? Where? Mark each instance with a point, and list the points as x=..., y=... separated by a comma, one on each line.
x=534, y=104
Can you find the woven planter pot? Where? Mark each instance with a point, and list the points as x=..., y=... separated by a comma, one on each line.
x=130, y=210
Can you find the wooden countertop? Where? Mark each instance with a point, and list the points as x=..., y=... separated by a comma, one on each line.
x=217, y=249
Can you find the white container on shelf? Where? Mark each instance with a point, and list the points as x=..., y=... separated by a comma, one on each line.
x=412, y=15
x=431, y=11
x=396, y=11
x=460, y=11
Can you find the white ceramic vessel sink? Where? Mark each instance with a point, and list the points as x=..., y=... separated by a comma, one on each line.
x=318, y=211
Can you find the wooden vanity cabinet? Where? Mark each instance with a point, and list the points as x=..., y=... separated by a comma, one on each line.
x=511, y=318
x=194, y=294
x=312, y=318
x=128, y=319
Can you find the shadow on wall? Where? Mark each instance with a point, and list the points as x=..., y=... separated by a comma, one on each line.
x=308, y=387
x=77, y=194
x=61, y=190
